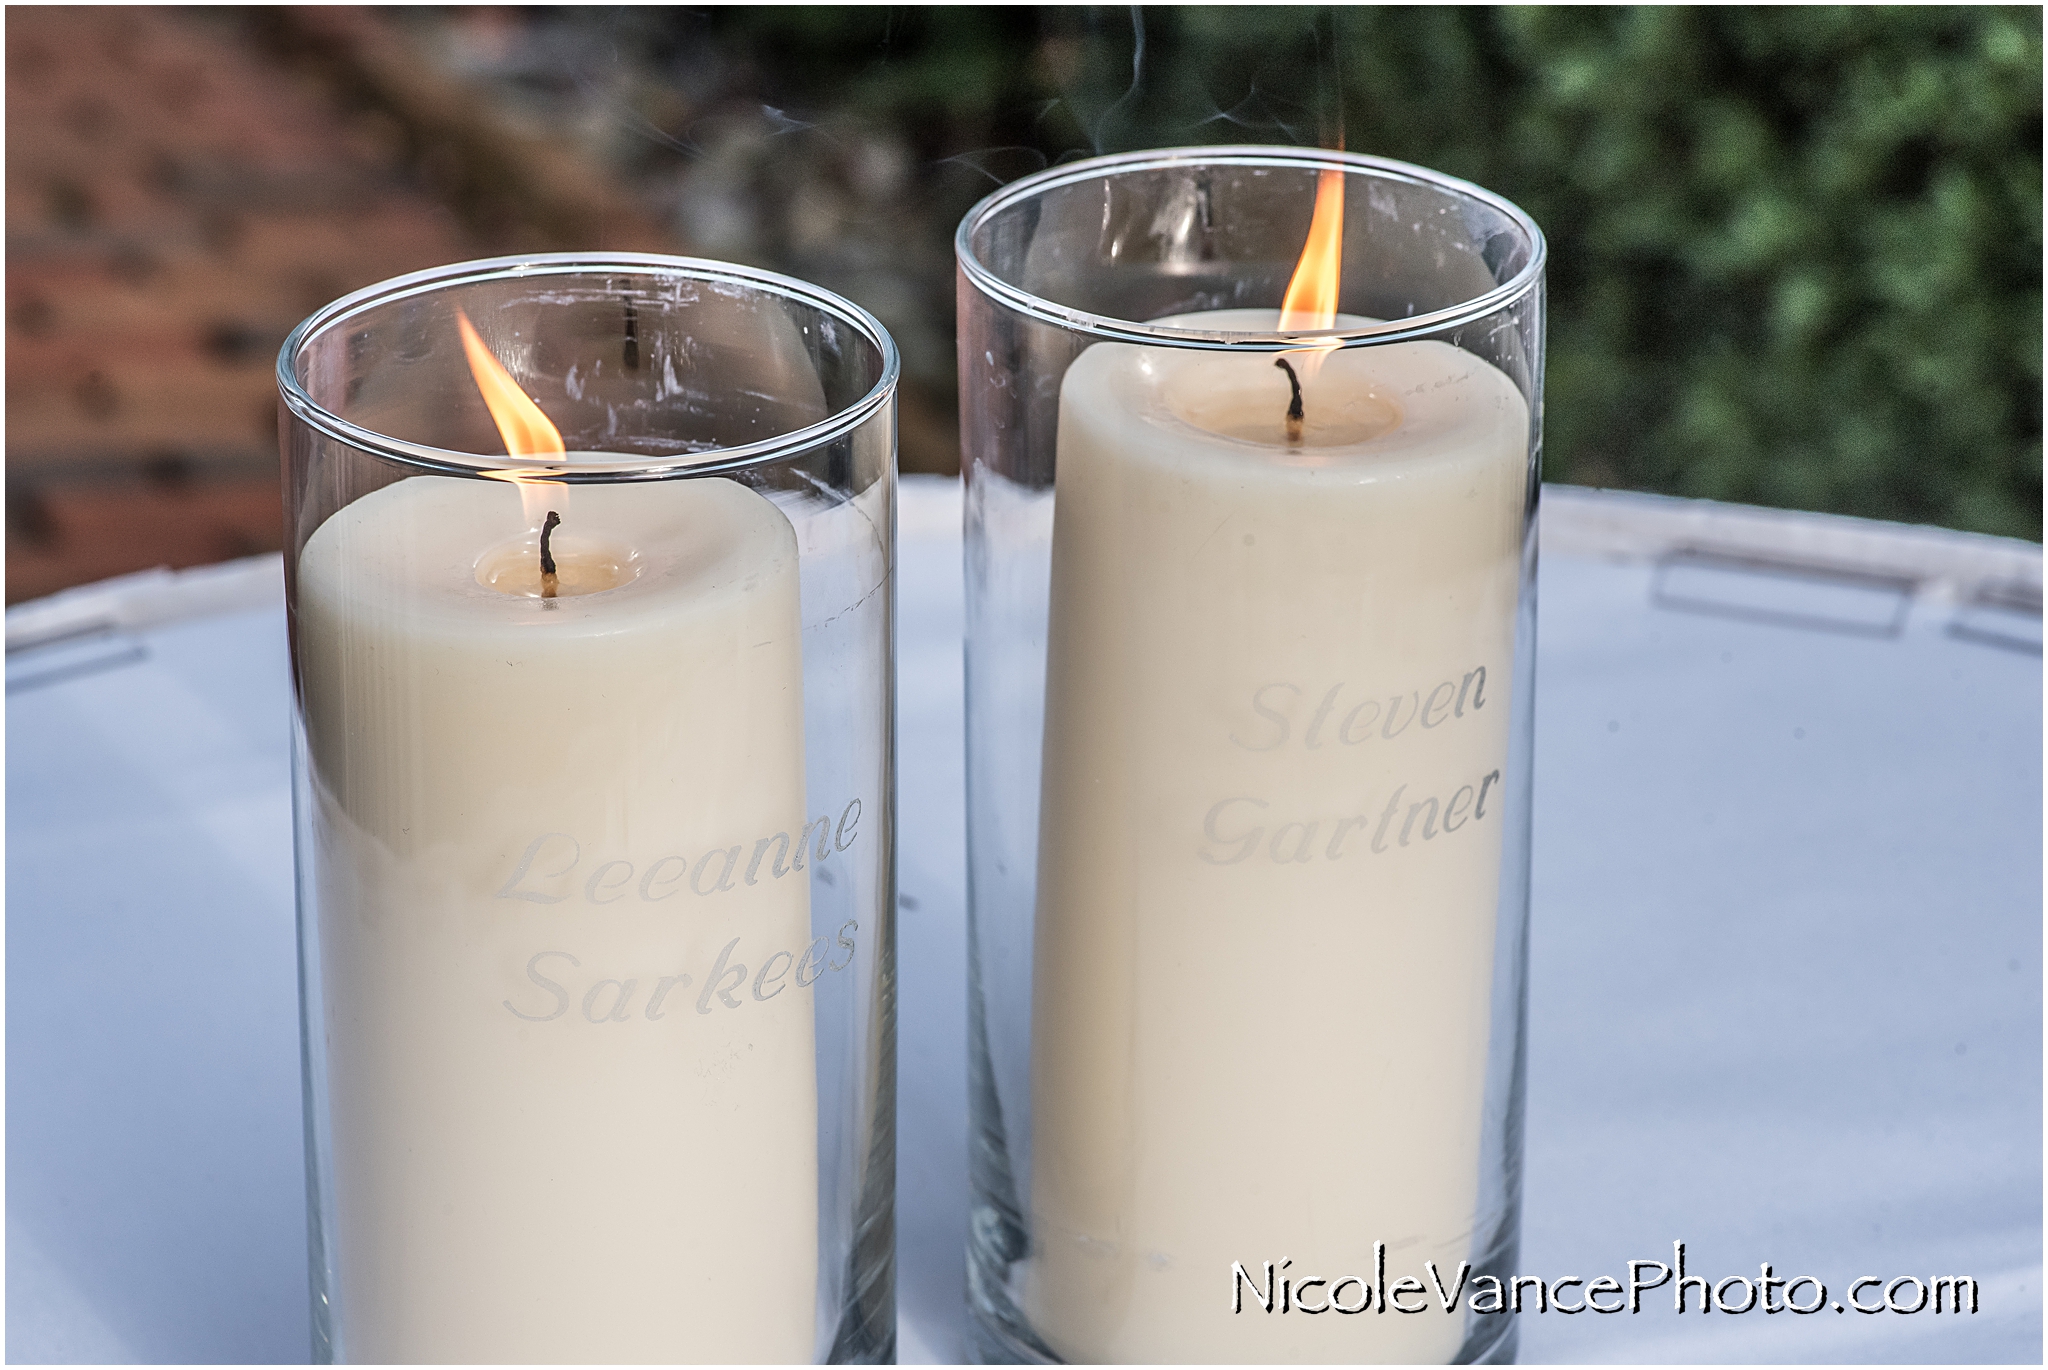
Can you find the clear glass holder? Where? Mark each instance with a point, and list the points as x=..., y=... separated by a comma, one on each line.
x=1249, y=689
x=594, y=811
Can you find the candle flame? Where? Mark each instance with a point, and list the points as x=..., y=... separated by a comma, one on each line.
x=525, y=429
x=1311, y=298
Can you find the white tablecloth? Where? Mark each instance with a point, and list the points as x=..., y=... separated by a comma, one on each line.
x=1785, y=984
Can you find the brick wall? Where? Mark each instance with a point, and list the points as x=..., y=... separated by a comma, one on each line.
x=176, y=202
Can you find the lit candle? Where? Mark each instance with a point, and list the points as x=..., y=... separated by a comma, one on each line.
x=1270, y=837
x=565, y=943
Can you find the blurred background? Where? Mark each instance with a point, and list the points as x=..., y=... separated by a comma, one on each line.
x=1796, y=252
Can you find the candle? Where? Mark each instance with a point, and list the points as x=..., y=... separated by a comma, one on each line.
x=565, y=944
x=1270, y=835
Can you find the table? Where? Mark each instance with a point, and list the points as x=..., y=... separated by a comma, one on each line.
x=1785, y=981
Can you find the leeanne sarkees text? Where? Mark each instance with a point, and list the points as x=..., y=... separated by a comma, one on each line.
x=606, y=1000
x=1241, y=828
x=560, y=987
x=552, y=871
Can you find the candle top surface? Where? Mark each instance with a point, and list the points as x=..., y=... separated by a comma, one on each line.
x=1366, y=412
x=462, y=555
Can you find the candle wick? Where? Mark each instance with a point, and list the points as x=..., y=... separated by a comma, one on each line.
x=1294, y=410
x=548, y=583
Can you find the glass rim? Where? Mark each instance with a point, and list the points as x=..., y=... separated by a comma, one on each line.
x=712, y=462
x=1134, y=331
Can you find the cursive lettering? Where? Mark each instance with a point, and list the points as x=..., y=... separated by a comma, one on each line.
x=561, y=995
x=547, y=870
x=1349, y=721
x=1234, y=830
x=610, y=999
x=1272, y=716
x=1245, y=844
x=717, y=983
x=511, y=888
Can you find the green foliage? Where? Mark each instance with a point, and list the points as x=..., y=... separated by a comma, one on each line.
x=1798, y=253
x=1795, y=252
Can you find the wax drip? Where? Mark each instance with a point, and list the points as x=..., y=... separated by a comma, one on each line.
x=1294, y=410
x=631, y=350
x=548, y=584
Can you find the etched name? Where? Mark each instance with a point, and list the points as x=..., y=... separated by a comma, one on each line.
x=1235, y=829
x=728, y=985
x=551, y=869
x=1347, y=721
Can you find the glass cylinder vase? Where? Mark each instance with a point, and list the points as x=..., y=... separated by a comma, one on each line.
x=1251, y=441
x=588, y=569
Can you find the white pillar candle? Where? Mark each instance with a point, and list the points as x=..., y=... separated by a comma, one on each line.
x=564, y=924
x=1276, y=725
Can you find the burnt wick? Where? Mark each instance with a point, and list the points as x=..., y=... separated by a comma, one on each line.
x=1294, y=410
x=548, y=584
x=547, y=531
